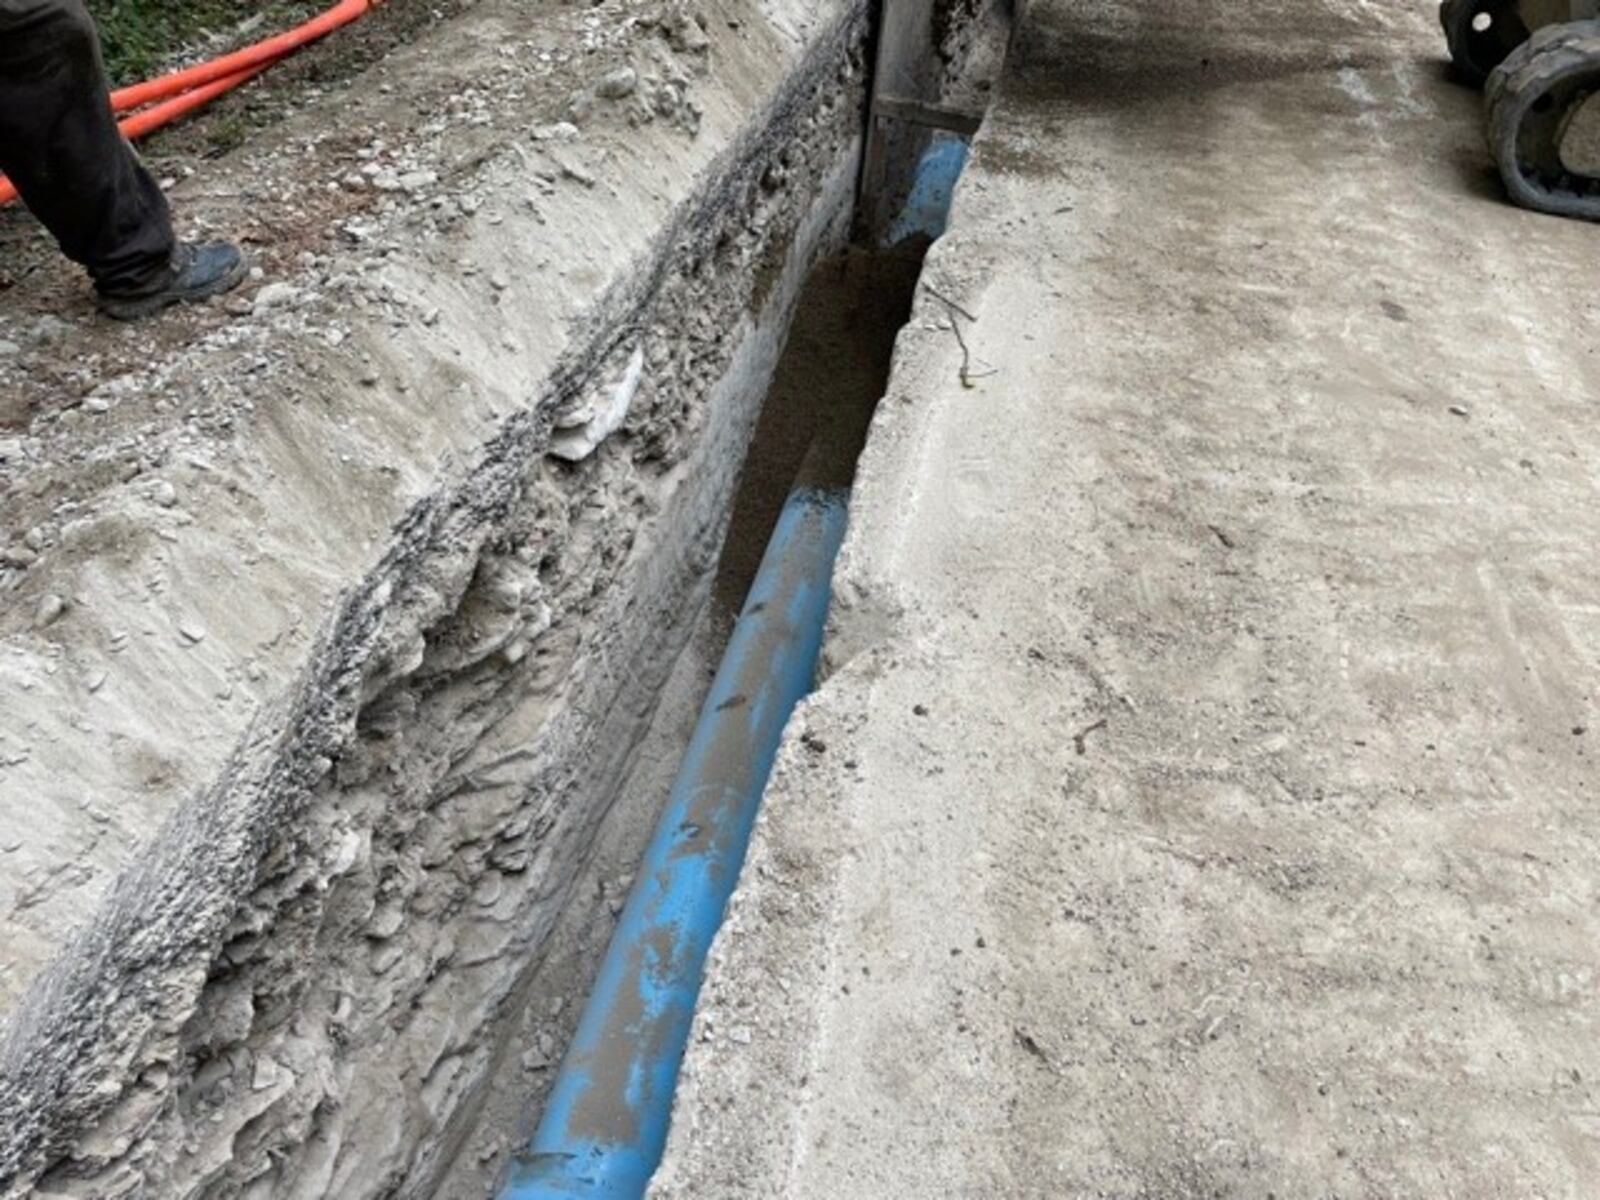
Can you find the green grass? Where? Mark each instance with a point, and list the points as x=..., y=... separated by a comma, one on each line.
x=140, y=37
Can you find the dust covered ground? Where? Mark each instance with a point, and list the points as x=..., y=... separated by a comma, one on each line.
x=1202, y=799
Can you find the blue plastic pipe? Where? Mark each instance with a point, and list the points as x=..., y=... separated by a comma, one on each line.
x=927, y=209
x=605, y=1124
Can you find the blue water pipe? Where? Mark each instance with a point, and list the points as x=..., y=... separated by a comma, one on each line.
x=927, y=207
x=605, y=1124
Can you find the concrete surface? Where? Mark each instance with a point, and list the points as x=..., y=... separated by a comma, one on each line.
x=317, y=675
x=1203, y=798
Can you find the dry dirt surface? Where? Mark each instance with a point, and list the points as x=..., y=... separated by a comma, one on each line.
x=1202, y=801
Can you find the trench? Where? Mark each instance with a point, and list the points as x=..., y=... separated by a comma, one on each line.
x=815, y=416
x=436, y=846
x=813, y=422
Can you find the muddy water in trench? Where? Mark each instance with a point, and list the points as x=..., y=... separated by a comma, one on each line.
x=834, y=368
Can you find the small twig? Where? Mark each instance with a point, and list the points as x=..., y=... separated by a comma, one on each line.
x=1080, y=740
x=1034, y=1047
x=966, y=355
x=948, y=303
x=956, y=311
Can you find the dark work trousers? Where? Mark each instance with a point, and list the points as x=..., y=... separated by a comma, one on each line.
x=60, y=146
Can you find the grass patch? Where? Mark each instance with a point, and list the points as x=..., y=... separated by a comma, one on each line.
x=145, y=38
x=140, y=37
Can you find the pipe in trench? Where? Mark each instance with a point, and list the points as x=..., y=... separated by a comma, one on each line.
x=605, y=1124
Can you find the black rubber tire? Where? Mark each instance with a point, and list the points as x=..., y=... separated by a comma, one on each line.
x=1531, y=97
x=1477, y=52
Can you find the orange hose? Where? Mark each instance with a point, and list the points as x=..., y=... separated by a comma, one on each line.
x=184, y=91
x=229, y=65
x=167, y=111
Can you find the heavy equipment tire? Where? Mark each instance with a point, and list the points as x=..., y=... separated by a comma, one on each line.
x=1476, y=52
x=1532, y=98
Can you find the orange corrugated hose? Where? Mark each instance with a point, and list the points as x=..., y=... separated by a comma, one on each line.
x=263, y=53
x=171, y=96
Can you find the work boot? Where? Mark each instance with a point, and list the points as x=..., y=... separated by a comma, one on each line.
x=198, y=270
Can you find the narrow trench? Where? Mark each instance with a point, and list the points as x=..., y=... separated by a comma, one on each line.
x=813, y=423
x=833, y=370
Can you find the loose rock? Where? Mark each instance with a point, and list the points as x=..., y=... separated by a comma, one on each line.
x=51, y=606
x=618, y=84
x=276, y=295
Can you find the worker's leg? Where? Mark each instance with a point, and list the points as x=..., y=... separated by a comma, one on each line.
x=60, y=146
